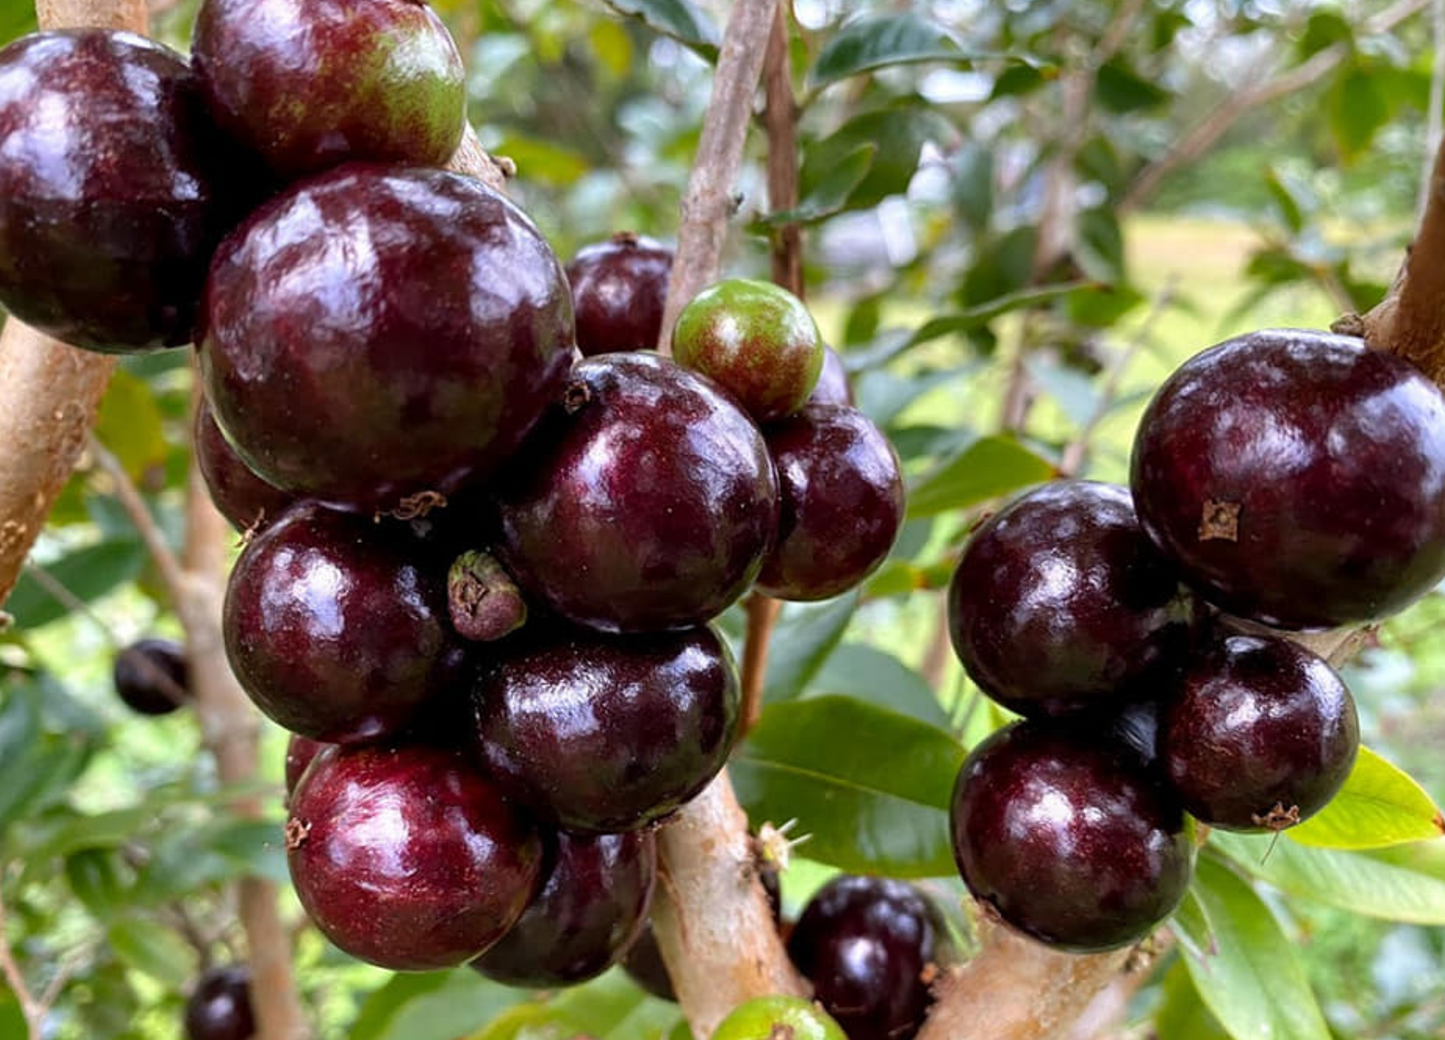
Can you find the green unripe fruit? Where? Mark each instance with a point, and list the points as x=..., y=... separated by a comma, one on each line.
x=778, y=1018
x=757, y=340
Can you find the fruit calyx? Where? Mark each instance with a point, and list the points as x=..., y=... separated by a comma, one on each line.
x=483, y=600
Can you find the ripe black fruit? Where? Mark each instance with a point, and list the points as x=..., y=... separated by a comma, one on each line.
x=243, y=498
x=619, y=288
x=151, y=676
x=1060, y=603
x=1070, y=839
x=1297, y=478
x=1261, y=736
x=870, y=946
x=219, y=1008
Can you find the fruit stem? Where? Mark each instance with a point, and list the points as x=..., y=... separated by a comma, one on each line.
x=709, y=200
x=1410, y=321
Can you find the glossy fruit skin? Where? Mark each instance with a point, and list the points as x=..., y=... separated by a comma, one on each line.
x=299, y=753
x=592, y=903
x=643, y=960
x=378, y=332
x=648, y=507
x=754, y=338
x=151, y=676
x=243, y=498
x=109, y=189
x=1298, y=478
x=219, y=1008
x=841, y=506
x=833, y=386
x=598, y=733
x=1061, y=604
x=619, y=288
x=408, y=857
x=778, y=1018
x=866, y=943
x=337, y=628
x=381, y=81
x=1261, y=735
x=1071, y=840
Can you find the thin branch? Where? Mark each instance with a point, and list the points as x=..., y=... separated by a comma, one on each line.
x=709, y=200
x=1436, y=103
x=31, y=1009
x=140, y=515
x=1214, y=126
x=55, y=588
x=762, y=619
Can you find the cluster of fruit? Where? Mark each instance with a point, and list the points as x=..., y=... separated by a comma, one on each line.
x=1293, y=479
x=395, y=414
x=870, y=947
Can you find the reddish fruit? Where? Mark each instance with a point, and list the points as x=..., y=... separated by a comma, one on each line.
x=408, y=857
x=309, y=84
x=841, y=502
x=219, y=1008
x=619, y=288
x=1261, y=736
x=592, y=903
x=608, y=733
x=647, y=504
x=110, y=194
x=243, y=498
x=1070, y=839
x=757, y=340
x=1297, y=478
x=1061, y=604
x=833, y=386
x=336, y=626
x=151, y=676
x=299, y=753
x=377, y=337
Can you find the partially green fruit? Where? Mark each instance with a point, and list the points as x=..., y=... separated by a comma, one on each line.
x=778, y=1018
x=757, y=340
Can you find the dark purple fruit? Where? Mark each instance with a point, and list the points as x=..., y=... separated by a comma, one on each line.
x=757, y=340
x=337, y=628
x=151, y=676
x=643, y=961
x=841, y=502
x=378, y=336
x=647, y=504
x=1261, y=736
x=608, y=733
x=309, y=84
x=299, y=753
x=109, y=189
x=833, y=386
x=591, y=906
x=870, y=947
x=243, y=498
x=1298, y=478
x=219, y=1008
x=1068, y=837
x=619, y=288
x=408, y=857
x=1060, y=603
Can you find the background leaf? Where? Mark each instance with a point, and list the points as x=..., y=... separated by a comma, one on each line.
x=806, y=633
x=1379, y=805
x=873, y=43
x=987, y=468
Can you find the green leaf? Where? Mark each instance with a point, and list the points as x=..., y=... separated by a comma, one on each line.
x=87, y=574
x=185, y=859
x=1120, y=89
x=897, y=132
x=871, y=786
x=129, y=424
x=546, y=162
x=382, y=1003
x=1379, y=805
x=152, y=949
x=866, y=44
x=679, y=19
x=981, y=314
x=831, y=192
x=868, y=674
x=96, y=878
x=1251, y=980
x=973, y=184
x=434, y=1006
x=987, y=468
x=1181, y=1015
x=1358, y=108
x=1100, y=247
x=805, y=635
x=1190, y=923
x=1353, y=881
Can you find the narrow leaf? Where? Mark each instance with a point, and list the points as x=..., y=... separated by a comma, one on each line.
x=681, y=20
x=870, y=675
x=806, y=634
x=1379, y=805
x=86, y=573
x=1251, y=980
x=988, y=468
x=152, y=949
x=867, y=44
x=871, y=786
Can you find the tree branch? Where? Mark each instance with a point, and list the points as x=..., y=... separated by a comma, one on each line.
x=135, y=507
x=31, y=1009
x=712, y=920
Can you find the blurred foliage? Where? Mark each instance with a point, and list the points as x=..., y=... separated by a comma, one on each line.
x=1005, y=302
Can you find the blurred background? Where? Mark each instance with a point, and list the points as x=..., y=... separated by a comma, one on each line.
x=1013, y=235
